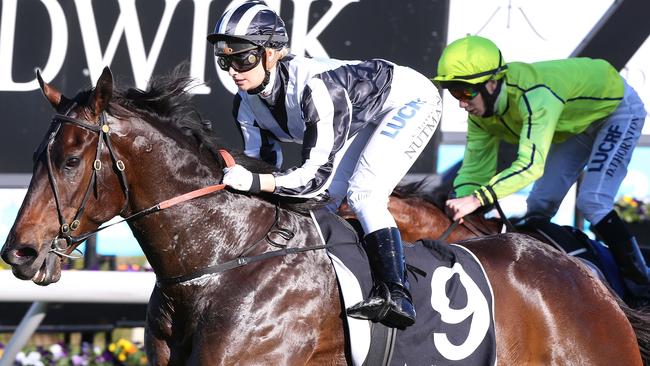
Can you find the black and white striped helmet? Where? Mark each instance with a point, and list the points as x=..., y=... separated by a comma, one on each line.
x=251, y=21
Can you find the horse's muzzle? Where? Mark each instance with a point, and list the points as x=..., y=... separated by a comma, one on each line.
x=22, y=258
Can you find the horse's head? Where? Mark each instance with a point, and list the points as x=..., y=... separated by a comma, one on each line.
x=73, y=188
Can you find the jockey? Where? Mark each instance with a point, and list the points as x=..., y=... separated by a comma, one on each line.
x=361, y=124
x=567, y=116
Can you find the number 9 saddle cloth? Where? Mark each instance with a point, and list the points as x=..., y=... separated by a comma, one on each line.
x=451, y=293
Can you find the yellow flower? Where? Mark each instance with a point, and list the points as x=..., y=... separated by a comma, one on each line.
x=124, y=343
x=121, y=357
x=627, y=199
x=111, y=347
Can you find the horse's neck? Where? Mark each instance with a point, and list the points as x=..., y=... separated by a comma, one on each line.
x=192, y=234
x=160, y=166
x=202, y=232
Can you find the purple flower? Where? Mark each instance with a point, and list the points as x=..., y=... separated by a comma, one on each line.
x=86, y=348
x=106, y=356
x=78, y=360
x=58, y=351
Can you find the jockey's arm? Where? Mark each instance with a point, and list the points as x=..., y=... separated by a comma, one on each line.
x=540, y=110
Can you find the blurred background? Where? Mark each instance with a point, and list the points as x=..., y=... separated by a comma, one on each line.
x=71, y=41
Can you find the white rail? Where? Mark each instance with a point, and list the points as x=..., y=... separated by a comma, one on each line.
x=74, y=287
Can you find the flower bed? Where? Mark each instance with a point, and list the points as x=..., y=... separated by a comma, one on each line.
x=121, y=353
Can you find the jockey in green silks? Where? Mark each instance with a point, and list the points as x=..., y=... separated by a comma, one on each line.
x=568, y=117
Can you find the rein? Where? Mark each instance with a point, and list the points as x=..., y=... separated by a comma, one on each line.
x=474, y=228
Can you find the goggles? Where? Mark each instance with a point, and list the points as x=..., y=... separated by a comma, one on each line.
x=464, y=94
x=242, y=61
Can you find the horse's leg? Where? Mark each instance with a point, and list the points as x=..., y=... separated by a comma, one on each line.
x=157, y=350
x=158, y=332
x=550, y=310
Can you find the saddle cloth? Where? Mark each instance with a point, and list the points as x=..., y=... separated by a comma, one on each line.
x=454, y=301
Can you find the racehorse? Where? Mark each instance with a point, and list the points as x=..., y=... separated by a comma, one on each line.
x=212, y=303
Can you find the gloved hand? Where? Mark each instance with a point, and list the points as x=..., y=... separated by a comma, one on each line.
x=241, y=179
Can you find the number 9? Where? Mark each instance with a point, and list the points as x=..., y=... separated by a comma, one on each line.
x=477, y=306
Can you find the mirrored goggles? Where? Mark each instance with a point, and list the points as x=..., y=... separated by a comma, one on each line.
x=241, y=62
x=464, y=94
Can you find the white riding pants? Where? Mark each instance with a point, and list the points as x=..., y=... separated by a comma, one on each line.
x=379, y=156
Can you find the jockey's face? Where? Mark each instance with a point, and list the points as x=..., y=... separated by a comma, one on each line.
x=253, y=78
x=248, y=80
x=476, y=105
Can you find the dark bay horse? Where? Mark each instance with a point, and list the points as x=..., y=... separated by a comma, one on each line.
x=123, y=152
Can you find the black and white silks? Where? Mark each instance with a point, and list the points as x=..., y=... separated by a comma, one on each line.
x=386, y=112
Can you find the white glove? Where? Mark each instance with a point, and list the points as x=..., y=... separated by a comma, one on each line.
x=241, y=179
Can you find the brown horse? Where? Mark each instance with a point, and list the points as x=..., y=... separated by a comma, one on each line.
x=211, y=305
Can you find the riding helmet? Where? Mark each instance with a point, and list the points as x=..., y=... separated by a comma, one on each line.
x=470, y=60
x=247, y=24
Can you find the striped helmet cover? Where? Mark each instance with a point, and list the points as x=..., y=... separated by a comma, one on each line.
x=252, y=21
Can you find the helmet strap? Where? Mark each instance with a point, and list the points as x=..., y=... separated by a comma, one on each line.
x=267, y=78
x=490, y=99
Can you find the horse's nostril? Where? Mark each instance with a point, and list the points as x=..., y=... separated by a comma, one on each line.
x=25, y=252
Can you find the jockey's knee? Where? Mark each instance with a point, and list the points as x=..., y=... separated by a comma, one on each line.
x=371, y=209
x=593, y=211
x=541, y=207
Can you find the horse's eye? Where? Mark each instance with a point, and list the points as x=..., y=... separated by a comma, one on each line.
x=72, y=162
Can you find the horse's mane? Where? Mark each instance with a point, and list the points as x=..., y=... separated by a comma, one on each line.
x=167, y=100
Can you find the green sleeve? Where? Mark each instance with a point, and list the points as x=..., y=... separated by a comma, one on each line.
x=479, y=161
x=540, y=110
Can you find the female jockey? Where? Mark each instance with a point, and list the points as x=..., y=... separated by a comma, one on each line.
x=362, y=124
x=568, y=117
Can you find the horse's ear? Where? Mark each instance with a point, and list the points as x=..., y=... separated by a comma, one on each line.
x=51, y=93
x=103, y=91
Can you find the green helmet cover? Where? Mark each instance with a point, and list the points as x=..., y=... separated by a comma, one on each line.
x=471, y=60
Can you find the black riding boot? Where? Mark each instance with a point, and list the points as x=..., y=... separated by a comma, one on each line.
x=390, y=300
x=613, y=231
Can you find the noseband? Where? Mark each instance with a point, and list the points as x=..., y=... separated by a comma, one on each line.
x=64, y=239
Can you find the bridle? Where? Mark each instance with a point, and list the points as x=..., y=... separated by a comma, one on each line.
x=64, y=239
x=62, y=245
